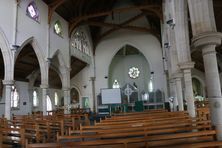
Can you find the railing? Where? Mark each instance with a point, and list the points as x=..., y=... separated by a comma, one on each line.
x=80, y=55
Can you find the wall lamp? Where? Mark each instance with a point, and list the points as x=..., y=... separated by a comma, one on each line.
x=167, y=45
x=15, y=47
x=171, y=23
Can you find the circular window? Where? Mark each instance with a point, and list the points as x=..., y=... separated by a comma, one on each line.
x=134, y=72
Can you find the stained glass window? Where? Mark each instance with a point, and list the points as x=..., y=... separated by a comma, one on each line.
x=56, y=98
x=35, y=99
x=151, y=83
x=116, y=84
x=134, y=72
x=58, y=28
x=80, y=42
x=32, y=11
x=14, y=98
x=49, y=103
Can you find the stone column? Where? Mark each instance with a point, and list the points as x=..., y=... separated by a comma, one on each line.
x=44, y=98
x=202, y=16
x=94, y=94
x=173, y=93
x=183, y=50
x=67, y=101
x=179, y=90
x=186, y=68
x=207, y=43
x=206, y=38
x=8, y=89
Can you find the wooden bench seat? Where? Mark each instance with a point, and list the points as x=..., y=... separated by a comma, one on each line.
x=153, y=141
x=12, y=136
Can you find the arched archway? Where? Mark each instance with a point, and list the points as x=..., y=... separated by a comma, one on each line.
x=58, y=64
x=26, y=68
x=75, y=96
x=39, y=56
x=2, y=70
x=7, y=57
x=130, y=68
x=26, y=63
x=198, y=88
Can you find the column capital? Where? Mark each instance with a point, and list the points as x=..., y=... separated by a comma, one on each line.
x=8, y=82
x=92, y=78
x=206, y=38
x=44, y=86
x=66, y=89
x=171, y=80
x=186, y=65
x=177, y=75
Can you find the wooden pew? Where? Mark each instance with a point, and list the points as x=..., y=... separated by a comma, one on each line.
x=166, y=140
x=159, y=131
x=12, y=136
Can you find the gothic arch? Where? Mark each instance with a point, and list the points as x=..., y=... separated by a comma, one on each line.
x=129, y=44
x=43, y=63
x=202, y=84
x=61, y=69
x=77, y=88
x=7, y=57
x=79, y=92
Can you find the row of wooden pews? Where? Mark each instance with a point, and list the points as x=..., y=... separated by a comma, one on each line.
x=157, y=128
x=34, y=128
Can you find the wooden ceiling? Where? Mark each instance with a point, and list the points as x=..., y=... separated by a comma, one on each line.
x=94, y=12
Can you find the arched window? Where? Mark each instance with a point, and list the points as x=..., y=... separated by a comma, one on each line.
x=14, y=98
x=32, y=11
x=150, y=86
x=58, y=28
x=79, y=41
x=56, y=98
x=49, y=103
x=35, y=99
x=116, y=84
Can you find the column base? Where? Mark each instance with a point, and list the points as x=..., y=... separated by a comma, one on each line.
x=216, y=118
x=216, y=110
x=218, y=129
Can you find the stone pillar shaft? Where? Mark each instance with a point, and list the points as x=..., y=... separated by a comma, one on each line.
x=8, y=90
x=94, y=94
x=207, y=41
x=189, y=92
x=211, y=71
x=44, y=99
x=67, y=100
x=179, y=93
x=173, y=93
x=213, y=87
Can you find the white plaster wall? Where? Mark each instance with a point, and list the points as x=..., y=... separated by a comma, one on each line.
x=59, y=42
x=79, y=81
x=23, y=90
x=28, y=27
x=83, y=77
x=52, y=96
x=145, y=43
x=51, y=93
x=7, y=9
x=120, y=68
